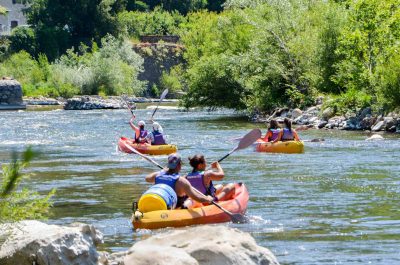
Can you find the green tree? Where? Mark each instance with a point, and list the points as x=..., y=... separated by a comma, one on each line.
x=60, y=24
x=23, y=38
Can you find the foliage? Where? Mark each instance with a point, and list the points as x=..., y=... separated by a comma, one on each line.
x=373, y=28
x=60, y=24
x=23, y=38
x=181, y=6
x=173, y=80
x=16, y=205
x=112, y=69
x=353, y=100
x=3, y=10
x=158, y=22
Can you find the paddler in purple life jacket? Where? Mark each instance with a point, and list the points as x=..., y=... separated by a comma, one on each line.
x=273, y=132
x=140, y=132
x=156, y=137
x=288, y=134
x=202, y=179
x=170, y=176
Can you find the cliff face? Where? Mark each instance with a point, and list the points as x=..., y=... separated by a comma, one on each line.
x=158, y=58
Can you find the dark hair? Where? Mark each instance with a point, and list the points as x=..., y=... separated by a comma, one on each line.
x=273, y=124
x=288, y=123
x=196, y=160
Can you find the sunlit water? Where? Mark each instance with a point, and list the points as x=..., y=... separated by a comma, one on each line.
x=338, y=203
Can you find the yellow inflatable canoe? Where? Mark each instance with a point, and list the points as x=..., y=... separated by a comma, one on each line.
x=288, y=147
x=146, y=149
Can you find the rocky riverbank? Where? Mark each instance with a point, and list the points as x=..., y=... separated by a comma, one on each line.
x=318, y=118
x=90, y=102
x=33, y=242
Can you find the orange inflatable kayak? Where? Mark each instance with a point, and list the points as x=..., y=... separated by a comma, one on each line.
x=288, y=147
x=146, y=149
x=201, y=215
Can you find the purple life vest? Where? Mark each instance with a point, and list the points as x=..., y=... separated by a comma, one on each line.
x=158, y=138
x=142, y=136
x=275, y=134
x=287, y=135
x=196, y=179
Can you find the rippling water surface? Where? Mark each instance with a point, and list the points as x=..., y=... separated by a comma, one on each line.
x=338, y=203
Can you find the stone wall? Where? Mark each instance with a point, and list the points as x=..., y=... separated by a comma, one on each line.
x=157, y=38
x=10, y=95
x=158, y=58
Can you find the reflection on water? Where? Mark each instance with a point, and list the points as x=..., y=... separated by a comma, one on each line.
x=336, y=204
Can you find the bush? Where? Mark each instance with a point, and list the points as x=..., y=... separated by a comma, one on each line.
x=15, y=204
x=23, y=38
x=353, y=100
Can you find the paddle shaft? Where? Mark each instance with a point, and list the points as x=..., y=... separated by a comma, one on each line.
x=164, y=93
x=127, y=105
x=233, y=217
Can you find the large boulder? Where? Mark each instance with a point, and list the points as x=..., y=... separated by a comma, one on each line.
x=33, y=242
x=93, y=102
x=203, y=245
x=11, y=94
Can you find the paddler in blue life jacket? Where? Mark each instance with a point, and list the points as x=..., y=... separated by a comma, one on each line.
x=288, y=134
x=273, y=132
x=201, y=179
x=170, y=176
x=140, y=132
x=156, y=137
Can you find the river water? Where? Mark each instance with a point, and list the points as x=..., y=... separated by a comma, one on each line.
x=338, y=203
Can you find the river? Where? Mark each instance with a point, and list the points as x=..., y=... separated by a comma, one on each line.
x=338, y=203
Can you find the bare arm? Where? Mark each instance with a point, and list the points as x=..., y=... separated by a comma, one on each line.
x=295, y=135
x=151, y=177
x=183, y=184
x=215, y=175
x=133, y=126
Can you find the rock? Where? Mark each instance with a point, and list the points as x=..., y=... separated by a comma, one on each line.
x=319, y=100
x=296, y=113
x=328, y=113
x=11, y=94
x=364, y=113
x=33, y=242
x=389, y=123
x=93, y=102
x=322, y=124
x=350, y=124
x=375, y=137
x=378, y=126
x=367, y=122
x=199, y=245
x=313, y=120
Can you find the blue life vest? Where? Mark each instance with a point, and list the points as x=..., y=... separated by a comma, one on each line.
x=287, y=135
x=142, y=136
x=164, y=178
x=196, y=179
x=275, y=134
x=158, y=138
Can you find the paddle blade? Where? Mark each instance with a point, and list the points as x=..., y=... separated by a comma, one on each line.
x=164, y=93
x=142, y=155
x=238, y=218
x=249, y=139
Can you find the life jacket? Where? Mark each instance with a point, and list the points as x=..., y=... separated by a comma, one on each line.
x=158, y=138
x=164, y=178
x=275, y=134
x=196, y=179
x=287, y=135
x=142, y=136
